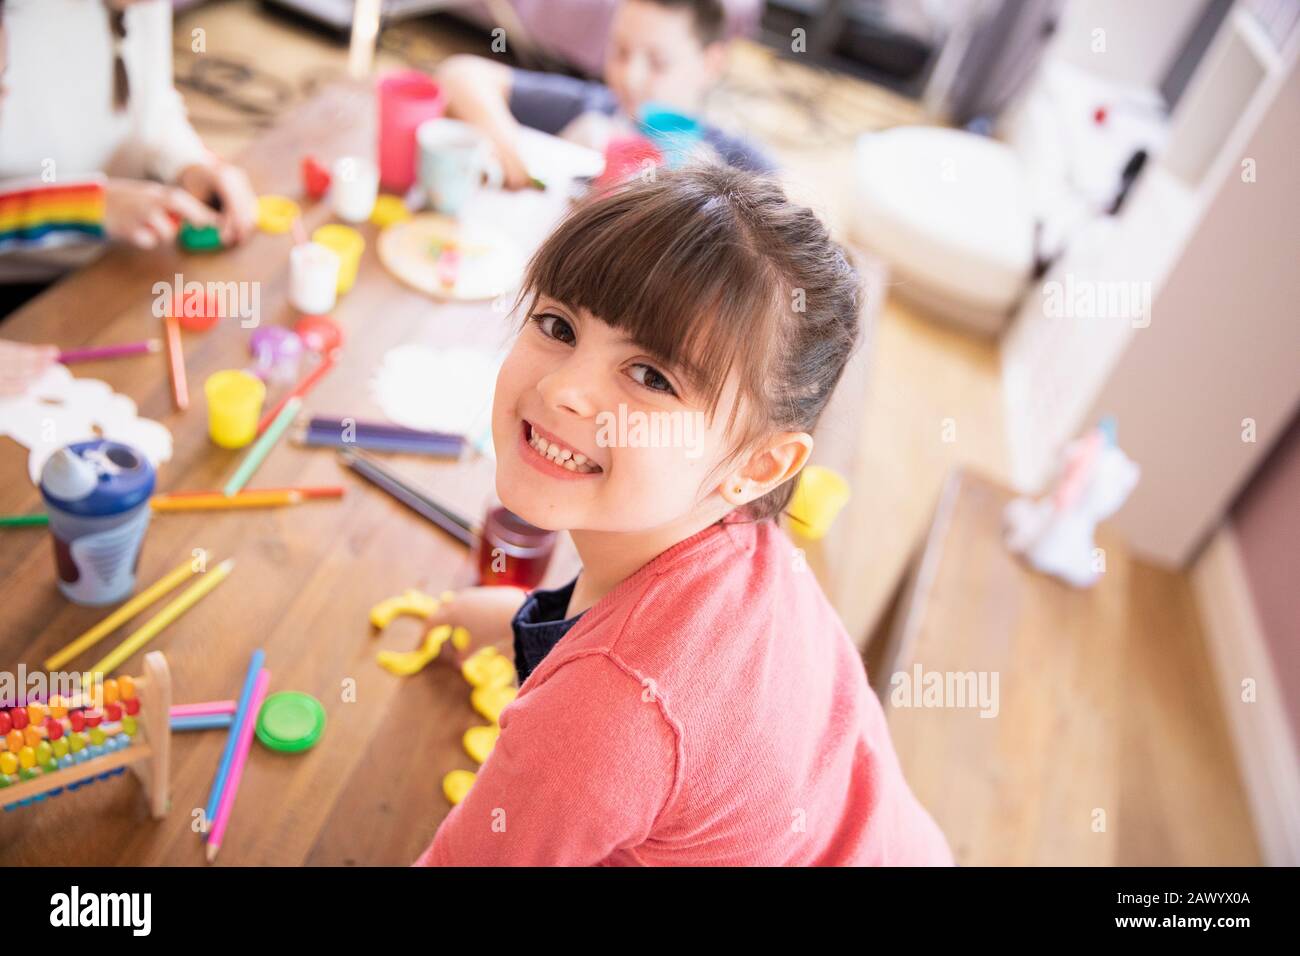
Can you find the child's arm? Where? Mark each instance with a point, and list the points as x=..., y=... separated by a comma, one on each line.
x=22, y=364
x=585, y=764
x=478, y=92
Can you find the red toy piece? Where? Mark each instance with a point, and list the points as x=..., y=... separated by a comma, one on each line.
x=197, y=312
x=77, y=719
x=19, y=717
x=6, y=724
x=53, y=728
x=132, y=706
x=315, y=178
x=113, y=712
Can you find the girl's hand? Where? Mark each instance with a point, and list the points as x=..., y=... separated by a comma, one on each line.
x=146, y=214
x=22, y=364
x=228, y=187
x=485, y=612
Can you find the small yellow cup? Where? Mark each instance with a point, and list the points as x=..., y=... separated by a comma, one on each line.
x=817, y=500
x=234, y=404
x=346, y=243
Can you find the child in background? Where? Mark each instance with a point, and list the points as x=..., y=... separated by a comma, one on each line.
x=668, y=52
x=88, y=89
x=691, y=698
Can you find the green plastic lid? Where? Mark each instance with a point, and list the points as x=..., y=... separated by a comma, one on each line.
x=290, y=721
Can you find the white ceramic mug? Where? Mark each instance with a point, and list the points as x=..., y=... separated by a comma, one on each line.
x=455, y=161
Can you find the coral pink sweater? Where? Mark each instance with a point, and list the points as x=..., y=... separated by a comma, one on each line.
x=710, y=710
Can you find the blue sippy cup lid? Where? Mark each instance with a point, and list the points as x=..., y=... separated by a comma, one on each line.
x=97, y=477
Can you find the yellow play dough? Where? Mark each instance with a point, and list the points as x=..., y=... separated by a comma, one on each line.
x=456, y=784
x=488, y=667
x=275, y=214
x=490, y=701
x=479, y=741
x=389, y=210
x=412, y=602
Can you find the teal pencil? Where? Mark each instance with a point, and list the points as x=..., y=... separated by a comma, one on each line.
x=259, y=451
x=23, y=521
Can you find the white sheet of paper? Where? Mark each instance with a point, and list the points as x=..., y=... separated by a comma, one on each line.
x=59, y=409
x=441, y=390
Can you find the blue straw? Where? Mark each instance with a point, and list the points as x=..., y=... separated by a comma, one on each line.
x=241, y=714
x=202, y=722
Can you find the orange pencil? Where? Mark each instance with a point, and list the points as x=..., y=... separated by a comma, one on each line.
x=254, y=499
x=176, y=359
x=307, y=491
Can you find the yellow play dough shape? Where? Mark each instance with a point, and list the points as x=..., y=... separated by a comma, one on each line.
x=406, y=663
x=276, y=214
x=488, y=667
x=479, y=741
x=818, y=497
x=411, y=602
x=460, y=638
x=456, y=784
x=490, y=701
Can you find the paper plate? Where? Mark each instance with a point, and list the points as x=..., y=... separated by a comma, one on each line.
x=436, y=255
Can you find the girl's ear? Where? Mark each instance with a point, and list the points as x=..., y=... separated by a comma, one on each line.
x=779, y=458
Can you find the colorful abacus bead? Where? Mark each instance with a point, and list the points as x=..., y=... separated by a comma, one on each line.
x=19, y=717
x=14, y=740
x=126, y=687
x=129, y=726
x=131, y=706
x=110, y=691
x=77, y=719
x=8, y=763
x=36, y=714
x=113, y=711
x=53, y=728
x=6, y=723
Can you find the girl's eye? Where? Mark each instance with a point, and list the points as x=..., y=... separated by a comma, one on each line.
x=554, y=327
x=651, y=379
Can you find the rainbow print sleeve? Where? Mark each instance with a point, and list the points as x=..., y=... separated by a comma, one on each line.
x=36, y=215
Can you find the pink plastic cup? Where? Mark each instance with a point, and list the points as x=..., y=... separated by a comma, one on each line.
x=406, y=99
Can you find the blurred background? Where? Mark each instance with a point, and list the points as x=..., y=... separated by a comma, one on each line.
x=1071, y=212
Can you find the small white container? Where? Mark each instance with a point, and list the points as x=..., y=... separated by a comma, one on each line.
x=354, y=186
x=313, y=278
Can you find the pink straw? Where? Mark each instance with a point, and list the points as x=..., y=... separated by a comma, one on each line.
x=242, y=746
x=109, y=351
x=204, y=709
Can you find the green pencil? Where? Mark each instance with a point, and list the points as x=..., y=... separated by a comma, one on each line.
x=23, y=521
x=258, y=452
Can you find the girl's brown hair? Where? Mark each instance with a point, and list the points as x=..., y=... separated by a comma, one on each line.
x=712, y=269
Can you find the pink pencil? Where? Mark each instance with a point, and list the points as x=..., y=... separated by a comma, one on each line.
x=109, y=351
x=242, y=746
x=204, y=709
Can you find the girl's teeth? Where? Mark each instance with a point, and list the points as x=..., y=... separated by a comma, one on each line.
x=570, y=466
x=580, y=459
x=566, y=458
x=565, y=454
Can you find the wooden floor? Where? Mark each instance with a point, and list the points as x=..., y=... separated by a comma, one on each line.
x=934, y=404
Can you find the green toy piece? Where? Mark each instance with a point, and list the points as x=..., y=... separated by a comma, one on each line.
x=199, y=238
x=290, y=721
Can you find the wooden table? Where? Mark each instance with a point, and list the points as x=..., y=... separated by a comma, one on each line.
x=306, y=576
x=370, y=792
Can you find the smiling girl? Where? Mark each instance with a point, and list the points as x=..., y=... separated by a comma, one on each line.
x=691, y=698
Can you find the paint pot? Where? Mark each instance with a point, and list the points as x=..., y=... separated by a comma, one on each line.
x=407, y=98
x=234, y=403
x=97, y=495
x=319, y=333
x=313, y=277
x=346, y=243
x=354, y=186
x=513, y=552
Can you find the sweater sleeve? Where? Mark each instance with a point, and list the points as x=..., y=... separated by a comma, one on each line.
x=169, y=141
x=585, y=763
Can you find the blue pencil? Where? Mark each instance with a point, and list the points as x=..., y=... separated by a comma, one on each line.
x=241, y=714
x=203, y=722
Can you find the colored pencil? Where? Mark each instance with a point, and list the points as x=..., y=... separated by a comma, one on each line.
x=176, y=362
x=417, y=501
x=23, y=521
x=241, y=713
x=109, y=351
x=123, y=614
x=308, y=382
x=202, y=722
x=203, y=709
x=378, y=428
x=227, y=804
x=245, y=499
x=307, y=491
x=188, y=598
x=262, y=447
x=329, y=438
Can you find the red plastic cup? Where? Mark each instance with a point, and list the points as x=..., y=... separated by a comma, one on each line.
x=406, y=99
x=513, y=552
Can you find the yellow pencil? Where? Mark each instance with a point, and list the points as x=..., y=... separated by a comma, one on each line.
x=219, y=501
x=123, y=614
x=189, y=597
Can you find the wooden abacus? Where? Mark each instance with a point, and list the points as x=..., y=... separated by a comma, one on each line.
x=148, y=755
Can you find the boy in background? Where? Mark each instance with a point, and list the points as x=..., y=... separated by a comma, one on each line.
x=666, y=52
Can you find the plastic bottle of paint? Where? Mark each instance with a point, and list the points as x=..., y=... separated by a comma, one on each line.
x=97, y=494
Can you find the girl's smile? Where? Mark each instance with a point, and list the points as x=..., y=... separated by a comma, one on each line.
x=552, y=457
